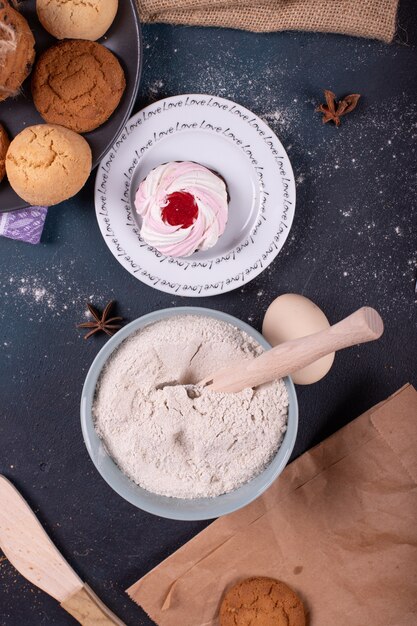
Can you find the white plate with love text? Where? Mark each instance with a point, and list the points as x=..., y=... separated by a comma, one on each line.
x=226, y=138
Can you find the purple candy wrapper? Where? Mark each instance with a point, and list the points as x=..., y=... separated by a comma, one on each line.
x=24, y=225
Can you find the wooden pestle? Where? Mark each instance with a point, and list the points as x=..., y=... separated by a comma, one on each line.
x=362, y=326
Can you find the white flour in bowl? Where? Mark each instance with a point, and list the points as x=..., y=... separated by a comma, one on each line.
x=184, y=441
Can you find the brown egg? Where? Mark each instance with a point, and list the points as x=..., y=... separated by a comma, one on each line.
x=291, y=316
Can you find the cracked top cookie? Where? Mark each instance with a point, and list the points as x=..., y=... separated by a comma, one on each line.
x=47, y=164
x=77, y=84
x=4, y=144
x=76, y=19
x=17, y=51
x=261, y=602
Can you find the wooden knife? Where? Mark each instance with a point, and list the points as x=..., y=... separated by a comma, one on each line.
x=28, y=547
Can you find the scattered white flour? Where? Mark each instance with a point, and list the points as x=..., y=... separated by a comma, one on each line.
x=184, y=441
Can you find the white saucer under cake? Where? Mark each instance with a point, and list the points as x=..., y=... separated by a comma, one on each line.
x=224, y=137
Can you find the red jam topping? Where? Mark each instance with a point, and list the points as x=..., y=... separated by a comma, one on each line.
x=180, y=210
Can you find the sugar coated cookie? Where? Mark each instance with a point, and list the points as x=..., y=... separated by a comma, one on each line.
x=17, y=50
x=261, y=602
x=76, y=19
x=47, y=164
x=77, y=84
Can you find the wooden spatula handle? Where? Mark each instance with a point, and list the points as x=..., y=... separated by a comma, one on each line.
x=88, y=609
x=28, y=547
x=363, y=325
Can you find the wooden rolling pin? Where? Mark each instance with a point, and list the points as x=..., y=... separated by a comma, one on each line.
x=28, y=547
x=362, y=326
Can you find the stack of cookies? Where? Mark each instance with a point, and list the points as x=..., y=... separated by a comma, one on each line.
x=77, y=84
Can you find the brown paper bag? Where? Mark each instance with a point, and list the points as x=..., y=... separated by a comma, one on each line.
x=339, y=526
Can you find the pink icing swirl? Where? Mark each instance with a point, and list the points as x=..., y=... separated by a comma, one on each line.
x=210, y=194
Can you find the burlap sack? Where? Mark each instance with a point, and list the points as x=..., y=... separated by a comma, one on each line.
x=375, y=19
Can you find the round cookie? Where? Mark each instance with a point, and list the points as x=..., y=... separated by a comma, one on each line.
x=4, y=144
x=76, y=19
x=47, y=164
x=261, y=602
x=77, y=84
x=17, y=50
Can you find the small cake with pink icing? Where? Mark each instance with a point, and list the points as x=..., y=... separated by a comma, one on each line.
x=184, y=208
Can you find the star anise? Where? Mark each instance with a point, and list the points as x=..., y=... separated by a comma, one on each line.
x=333, y=111
x=101, y=323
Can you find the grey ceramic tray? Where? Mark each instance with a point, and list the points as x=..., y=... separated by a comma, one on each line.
x=124, y=39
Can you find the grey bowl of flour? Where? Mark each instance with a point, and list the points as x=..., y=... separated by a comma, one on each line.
x=172, y=507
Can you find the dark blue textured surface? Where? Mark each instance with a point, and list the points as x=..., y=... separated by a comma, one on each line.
x=353, y=243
